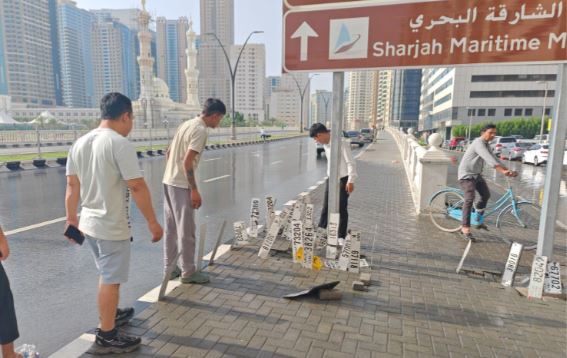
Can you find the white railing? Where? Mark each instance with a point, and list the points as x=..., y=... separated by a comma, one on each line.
x=426, y=169
x=23, y=137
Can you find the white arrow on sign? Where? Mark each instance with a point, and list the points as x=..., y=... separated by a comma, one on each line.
x=304, y=32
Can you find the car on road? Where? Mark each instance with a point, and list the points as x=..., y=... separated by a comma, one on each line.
x=355, y=138
x=536, y=154
x=514, y=152
x=367, y=134
x=454, y=142
x=499, y=142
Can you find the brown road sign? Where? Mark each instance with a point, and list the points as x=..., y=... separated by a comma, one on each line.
x=426, y=33
x=292, y=3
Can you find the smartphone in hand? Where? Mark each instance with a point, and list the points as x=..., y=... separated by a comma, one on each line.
x=74, y=234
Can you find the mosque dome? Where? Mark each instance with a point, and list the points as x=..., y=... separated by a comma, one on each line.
x=161, y=90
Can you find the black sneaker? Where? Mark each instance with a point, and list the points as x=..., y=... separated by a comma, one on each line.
x=113, y=342
x=123, y=316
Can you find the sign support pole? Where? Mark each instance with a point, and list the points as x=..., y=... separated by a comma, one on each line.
x=336, y=137
x=546, y=234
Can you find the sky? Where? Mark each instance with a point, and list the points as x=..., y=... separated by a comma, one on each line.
x=249, y=15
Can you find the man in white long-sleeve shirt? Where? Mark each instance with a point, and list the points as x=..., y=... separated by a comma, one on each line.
x=347, y=175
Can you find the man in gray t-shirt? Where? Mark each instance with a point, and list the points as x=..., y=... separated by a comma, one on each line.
x=102, y=173
x=470, y=176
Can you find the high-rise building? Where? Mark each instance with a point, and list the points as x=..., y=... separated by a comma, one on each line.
x=321, y=107
x=123, y=20
x=473, y=94
x=384, y=97
x=405, y=96
x=171, y=42
x=114, y=57
x=217, y=17
x=3, y=62
x=27, y=52
x=249, y=94
x=285, y=102
x=271, y=83
x=127, y=17
x=359, y=99
x=74, y=28
x=54, y=35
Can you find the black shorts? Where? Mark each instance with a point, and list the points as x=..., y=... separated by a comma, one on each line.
x=8, y=325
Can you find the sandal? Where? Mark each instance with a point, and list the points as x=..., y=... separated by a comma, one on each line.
x=468, y=236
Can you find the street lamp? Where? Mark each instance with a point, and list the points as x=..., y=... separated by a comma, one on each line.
x=470, y=125
x=166, y=122
x=39, y=120
x=543, y=110
x=326, y=100
x=302, y=96
x=233, y=74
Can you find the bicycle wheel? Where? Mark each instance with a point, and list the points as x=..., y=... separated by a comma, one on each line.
x=520, y=225
x=445, y=210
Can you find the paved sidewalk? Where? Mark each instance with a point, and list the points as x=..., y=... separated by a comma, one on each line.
x=417, y=306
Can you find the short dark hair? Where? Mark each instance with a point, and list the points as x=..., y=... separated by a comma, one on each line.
x=487, y=127
x=316, y=129
x=213, y=106
x=113, y=105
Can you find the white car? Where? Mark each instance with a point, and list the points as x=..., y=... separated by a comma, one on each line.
x=536, y=154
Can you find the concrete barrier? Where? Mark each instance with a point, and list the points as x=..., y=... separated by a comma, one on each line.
x=61, y=161
x=150, y=153
x=39, y=163
x=15, y=165
x=139, y=154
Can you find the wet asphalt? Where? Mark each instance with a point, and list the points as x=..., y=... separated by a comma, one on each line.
x=55, y=283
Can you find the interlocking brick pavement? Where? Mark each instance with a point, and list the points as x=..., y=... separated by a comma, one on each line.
x=417, y=306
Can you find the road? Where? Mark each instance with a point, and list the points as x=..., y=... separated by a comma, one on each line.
x=55, y=284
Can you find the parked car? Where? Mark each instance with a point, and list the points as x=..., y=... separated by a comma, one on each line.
x=367, y=134
x=517, y=136
x=499, y=142
x=539, y=138
x=355, y=138
x=454, y=142
x=514, y=152
x=536, y=154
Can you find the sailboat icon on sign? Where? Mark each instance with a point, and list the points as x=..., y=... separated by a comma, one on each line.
x=348, y=38
x=345, y=42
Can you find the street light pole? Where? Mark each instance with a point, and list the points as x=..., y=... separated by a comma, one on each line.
x=326, y=101
x=166, y=122
x=302, y=96
x=233, y=74
x=151, y=126
x=38, y=140
x=470, y=125
x=543, y=111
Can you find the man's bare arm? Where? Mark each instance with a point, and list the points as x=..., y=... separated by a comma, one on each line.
x=189, y=170
x=72, y=196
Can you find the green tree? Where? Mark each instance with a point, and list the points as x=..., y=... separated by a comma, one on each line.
x=227, y=120
x=526, y=127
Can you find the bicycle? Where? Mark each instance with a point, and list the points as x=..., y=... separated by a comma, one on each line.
x=517, y=219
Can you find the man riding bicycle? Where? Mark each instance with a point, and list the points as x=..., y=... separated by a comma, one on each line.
x=470, y=177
